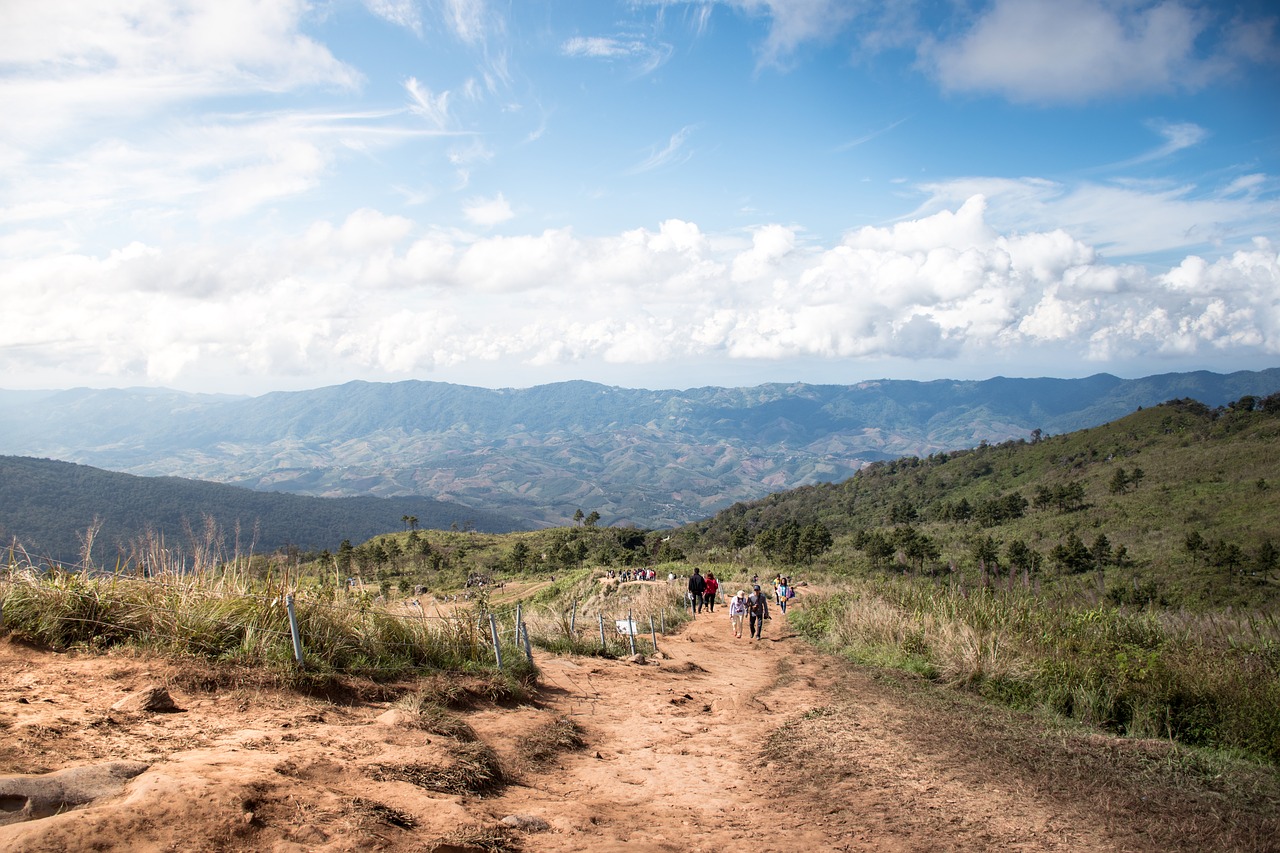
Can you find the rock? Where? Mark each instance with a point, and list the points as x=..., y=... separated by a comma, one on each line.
x=526, y=823
x=637, y=658
x=396, y=718
x=154, y=699
x=33, y=797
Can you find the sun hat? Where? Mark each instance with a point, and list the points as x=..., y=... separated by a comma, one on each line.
x=741, y=593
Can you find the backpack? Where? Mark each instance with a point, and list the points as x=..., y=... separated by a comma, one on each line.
x=791, y=592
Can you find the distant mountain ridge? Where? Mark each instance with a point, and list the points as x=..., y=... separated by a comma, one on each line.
x=652, y=458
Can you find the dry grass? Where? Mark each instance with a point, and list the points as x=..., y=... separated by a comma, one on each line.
x=489, y=838
x=541, y=746
x=474, y=770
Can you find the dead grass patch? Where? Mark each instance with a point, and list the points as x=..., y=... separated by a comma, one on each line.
x=474, y=770
x=541, y=746
x=477, y=838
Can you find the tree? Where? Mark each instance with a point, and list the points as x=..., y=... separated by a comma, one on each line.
x=814, y=540
x=519, y=556
x=1119, y=482
x=578, y=516
x=592, y=519
x=1193, y=543
x=986, y=551
x=1072, y=556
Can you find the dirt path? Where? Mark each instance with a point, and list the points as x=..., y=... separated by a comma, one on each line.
x=717, y=742
x=679, y=760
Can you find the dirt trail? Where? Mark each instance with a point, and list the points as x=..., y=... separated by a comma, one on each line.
x=675, y=762
x=686, y=752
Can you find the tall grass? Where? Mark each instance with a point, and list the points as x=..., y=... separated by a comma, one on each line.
x=569, y=621
x=222, y=617
x=1204, y=679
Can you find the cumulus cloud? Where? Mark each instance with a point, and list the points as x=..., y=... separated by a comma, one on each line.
x=376, y=295
x=1055, y=50
x=488, y=212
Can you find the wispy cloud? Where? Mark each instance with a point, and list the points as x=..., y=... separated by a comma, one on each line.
x=645, y=56
x=867, y=137
x=434, y=108
x=673, y=153
x=402, y=13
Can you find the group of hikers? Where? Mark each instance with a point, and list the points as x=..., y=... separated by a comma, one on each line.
x=752, y=608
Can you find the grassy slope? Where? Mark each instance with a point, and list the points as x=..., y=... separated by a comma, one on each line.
x=1216, y=473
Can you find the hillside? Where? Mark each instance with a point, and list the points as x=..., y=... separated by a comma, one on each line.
x=46, y=507
x=650, y=458
x=1179, y=503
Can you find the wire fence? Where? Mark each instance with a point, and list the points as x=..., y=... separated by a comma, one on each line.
x=206, y=617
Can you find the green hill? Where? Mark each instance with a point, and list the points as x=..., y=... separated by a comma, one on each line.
x=1176, y=504
x=46, y=508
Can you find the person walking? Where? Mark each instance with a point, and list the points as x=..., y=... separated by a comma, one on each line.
x=757, y=612
x=737, y=610
x=697, y=586
x=709, y=594
x=784, y=593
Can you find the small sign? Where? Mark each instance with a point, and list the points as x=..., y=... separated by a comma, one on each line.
x=625, y=627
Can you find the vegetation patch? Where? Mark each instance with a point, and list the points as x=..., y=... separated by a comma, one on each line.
x=474, y=769
x=540, y=747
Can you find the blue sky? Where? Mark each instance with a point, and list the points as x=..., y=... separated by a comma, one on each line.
x=253, y=195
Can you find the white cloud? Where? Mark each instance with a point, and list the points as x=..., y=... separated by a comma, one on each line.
x=487, y=212
x=402, y=13
x=1121, y=219
x=79, y=63
x=434, y=108
x=674, y=152
x=1073, y=50
x=377, y=296
x=647, y=57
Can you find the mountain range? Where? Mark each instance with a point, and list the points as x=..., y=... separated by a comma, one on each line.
x=652, y=458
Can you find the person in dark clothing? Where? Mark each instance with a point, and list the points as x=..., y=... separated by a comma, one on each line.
x=697, y=586
x=757, y=612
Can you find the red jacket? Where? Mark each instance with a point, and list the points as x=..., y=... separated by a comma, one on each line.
x=712, y=586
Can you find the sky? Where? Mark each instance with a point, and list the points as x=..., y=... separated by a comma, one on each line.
x=243, y=196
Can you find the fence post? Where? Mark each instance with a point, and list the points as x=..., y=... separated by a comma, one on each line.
x=528, y=649
x=573, y=620
x=293, y=628
x=603, y=645
x=519, y=622
x=493, y=632
x=631, y=633
x=653, y=633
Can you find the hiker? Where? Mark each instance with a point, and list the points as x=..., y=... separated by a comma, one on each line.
x=697, y=586
x=785, y=593
x=758, y=611
x=709, y=595
x=737, y=610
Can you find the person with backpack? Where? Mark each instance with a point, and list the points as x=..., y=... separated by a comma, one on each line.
x=709, y=594
x=782, y=594
x=697, y=586
x=757, y=612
